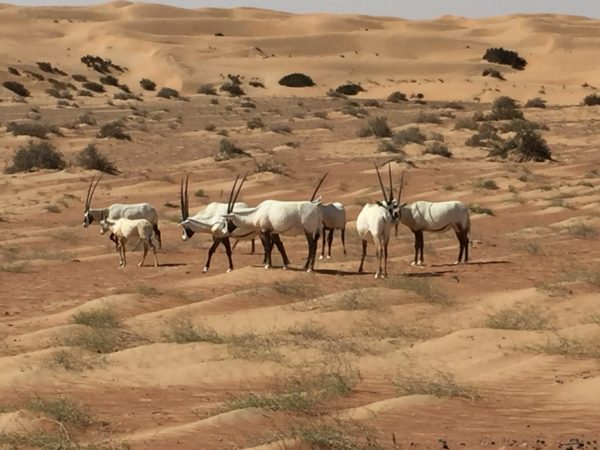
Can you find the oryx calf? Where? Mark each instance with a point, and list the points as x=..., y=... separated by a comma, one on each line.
x=118, y=210
x=124, y=229
x=423, y=216
x=376, y=221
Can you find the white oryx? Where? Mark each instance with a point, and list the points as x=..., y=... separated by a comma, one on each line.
x=211, y=220
x=117, y=211
x=377, y=221
x=423, y=216
x=287, y=218
x=334, y=218
x=124, y=229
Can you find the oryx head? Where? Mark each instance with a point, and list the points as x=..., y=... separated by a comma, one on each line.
x=185, y=210
x=391, y=204
x=312, y=198
x=229, y=226
x=88, y=217
x=104, y=226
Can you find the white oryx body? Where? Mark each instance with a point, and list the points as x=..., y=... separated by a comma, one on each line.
x=117, y=211
x=124, y=229
x=211, y=220
x=375, y=222
x=435, y=217
x=334, y=218
x=288, y=218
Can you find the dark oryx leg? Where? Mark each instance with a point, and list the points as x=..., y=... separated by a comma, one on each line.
x=466, y=244
x=253, y=247
x=385, y=257
x=461, y=242
x=227, y=245
x=113, y=238
x=329, y=241
x=344, y=239
x=312, y=252
x=265, y=237
x=275, y=239
x=211, y=251
x=364, y=254
x=323, y=248
x=158, y=238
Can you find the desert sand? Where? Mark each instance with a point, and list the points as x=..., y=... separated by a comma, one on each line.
x=501, y=352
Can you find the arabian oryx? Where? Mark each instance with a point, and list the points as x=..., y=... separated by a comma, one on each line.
x=281, y=217
x=117, y=211
x=334, y=218
x=377, y=220
x=124, y=229
x=211, y=220
x=423, y=216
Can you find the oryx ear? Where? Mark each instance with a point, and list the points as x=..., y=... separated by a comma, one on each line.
x=380, y=203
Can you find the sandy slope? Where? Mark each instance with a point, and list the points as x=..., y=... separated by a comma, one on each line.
x=256, y=328
x=439, y=58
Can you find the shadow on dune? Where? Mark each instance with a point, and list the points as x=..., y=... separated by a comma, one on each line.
x=472, y=263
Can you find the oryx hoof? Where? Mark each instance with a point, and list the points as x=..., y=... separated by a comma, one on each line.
x=284, y=267
x=267, y=266
x=414, y=263
x=328, y=256
x=420, y=263
x=321, y=257
x=205, y=270
x=139, y=264
x=229, y=270
x=309, y=270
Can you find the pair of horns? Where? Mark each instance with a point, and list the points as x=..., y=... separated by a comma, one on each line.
x=90, y=192
x=391, y=197
x=312, y=198
x=183, y=198
x=233, y=196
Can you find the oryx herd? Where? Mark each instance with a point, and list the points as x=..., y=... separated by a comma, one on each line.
x=271, y=219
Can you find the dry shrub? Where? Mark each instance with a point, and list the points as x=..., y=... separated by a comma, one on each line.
x=36, y=155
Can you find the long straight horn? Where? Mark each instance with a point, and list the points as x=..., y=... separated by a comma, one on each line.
x=391, y=186
x=187, y=197
x=182, y=200
x=318, y=186
x=229, y=207
x=87, y=196
x=238, y=191
x=401, y=186
x=93, y=189
x=381, y=183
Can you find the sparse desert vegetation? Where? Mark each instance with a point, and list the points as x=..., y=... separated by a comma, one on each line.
x=502, y=351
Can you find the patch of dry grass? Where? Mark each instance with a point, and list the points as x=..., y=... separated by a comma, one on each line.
x=421, y=286
x=438, y=383
x=578, y=347
x=525, y=318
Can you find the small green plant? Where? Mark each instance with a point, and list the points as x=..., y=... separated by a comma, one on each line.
x=437, y=383
x=168, y=93
x=505, y=108
x=591, y=100
x=207, y=89
x=32, y=129
x=477, y=209
x=535, y=102
x=296, y=80
x=182, y=331
x=486, y=184
x=93, y=86
x=583, y=231
x=270, y=166
x=51, y=208
x=397, y=97
x=526, y=318
x=228, y=150
x=377, y=127
x=17, y=88
x=465, y=123
x=71, y=361
x=255, y=123
x=90, y=158
x=147, y=84
x=437, y=148
x=99, y=318
x=409, y=135
x=113, y=130
x=424, y=117
x=61, y=409
x=36, y=155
